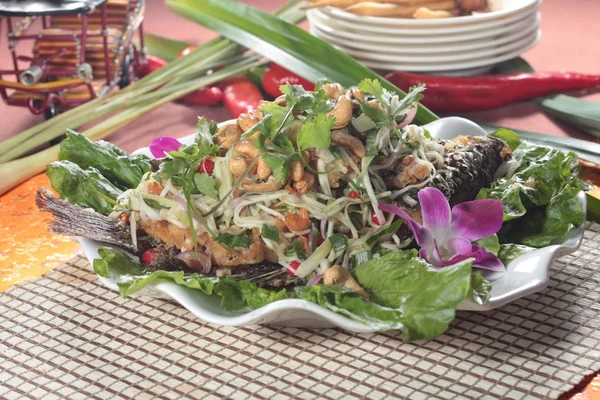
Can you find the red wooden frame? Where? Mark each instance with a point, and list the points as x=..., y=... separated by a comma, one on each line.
x=43, y=96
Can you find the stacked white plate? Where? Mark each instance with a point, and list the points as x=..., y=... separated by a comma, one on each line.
x=466, y=45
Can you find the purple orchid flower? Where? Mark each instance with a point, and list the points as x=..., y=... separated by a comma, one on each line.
x=159, y=147
x=445, y=236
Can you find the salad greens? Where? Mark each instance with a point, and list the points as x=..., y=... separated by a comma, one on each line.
x=122, y=169
x=407, y=293
x=540, y=204
x=84, y=187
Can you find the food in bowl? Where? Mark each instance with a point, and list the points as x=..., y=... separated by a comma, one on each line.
x=331, y=196
x=419, y=9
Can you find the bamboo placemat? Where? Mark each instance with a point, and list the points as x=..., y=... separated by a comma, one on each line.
x=66, y=336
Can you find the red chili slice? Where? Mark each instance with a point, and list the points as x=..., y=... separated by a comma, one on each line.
x=206, y=166
x=293, y=267
x=149, y=255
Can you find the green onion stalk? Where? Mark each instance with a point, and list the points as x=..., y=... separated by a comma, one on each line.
x=169, y=83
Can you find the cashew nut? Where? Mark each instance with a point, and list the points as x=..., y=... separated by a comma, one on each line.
x=246, y=148
x=342, y=112
x=333, y=90
x=297, y=171
x=345, y=139
x=305, y=184
x=337, y=275
x=270, y=185
x=262, y=170
x=280, y=101
x=247, y=121
x=228, y=135
x=238, y=165
x=355, y=93
x=334, y=178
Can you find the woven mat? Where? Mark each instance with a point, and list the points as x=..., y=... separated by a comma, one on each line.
x=65, y=336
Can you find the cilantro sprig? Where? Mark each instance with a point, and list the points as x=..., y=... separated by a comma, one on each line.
x=391, y=110
x=307, y=110
x=182, y=168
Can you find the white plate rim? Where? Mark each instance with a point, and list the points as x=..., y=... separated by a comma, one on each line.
x=301, y=313
x=423, y=48
x=415, y=38
x=467, y=20
x=437, y=67
x=405, y=57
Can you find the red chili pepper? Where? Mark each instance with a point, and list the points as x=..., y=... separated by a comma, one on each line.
x=320, y=240
x=375, y=219
x=491, y=91
x=275, y=75
x=240, y=96
x=207, y=96
x=124, y=217
x=293, y=267
x=149, y=255
x=206, y=166
x=152, y=64
x=353, y=194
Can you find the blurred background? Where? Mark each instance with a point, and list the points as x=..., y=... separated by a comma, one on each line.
x=569, y=42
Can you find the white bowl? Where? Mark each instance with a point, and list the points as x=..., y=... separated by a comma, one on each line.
x=446, y=57
x=504, y=10
x=525, y=275
x=425, y=37
x=414, y=45
x=453, y=67
x=417, y=30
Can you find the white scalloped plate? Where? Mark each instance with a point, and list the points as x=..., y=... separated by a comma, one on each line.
x=525, y=275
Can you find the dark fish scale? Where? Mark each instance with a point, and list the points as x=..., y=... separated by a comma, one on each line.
x=467, y=169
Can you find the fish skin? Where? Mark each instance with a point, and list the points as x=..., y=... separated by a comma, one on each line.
x=468, y=168
x=73, y=220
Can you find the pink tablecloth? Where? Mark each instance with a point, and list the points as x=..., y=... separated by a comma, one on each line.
x=570, y=42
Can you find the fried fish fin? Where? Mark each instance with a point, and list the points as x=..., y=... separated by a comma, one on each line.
x=72, y=220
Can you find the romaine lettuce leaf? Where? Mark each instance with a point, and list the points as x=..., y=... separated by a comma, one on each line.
x=408, y=294
x=132, y=277
x=86, y=188
x=425, y=297
x=511, y=251
x=346, y=302
x=539, y=197
x=115, y=164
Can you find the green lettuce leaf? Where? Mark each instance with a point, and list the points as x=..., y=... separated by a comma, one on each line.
x=540, y=204
x=481, y=289
x=425, y=297
x=346, y=302
x=86, y=188
x=407, y=293
x=116, y=165
x=132, y=277
x=509, y=252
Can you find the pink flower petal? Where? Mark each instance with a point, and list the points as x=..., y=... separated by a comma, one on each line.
x=458, y=245
x=477, y=219
x=436, y=212
x=481, y=259
x=159, y=147
x=422, y=236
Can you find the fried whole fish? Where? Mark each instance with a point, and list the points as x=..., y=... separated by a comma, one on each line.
x=469, y=165
x=73, y=220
